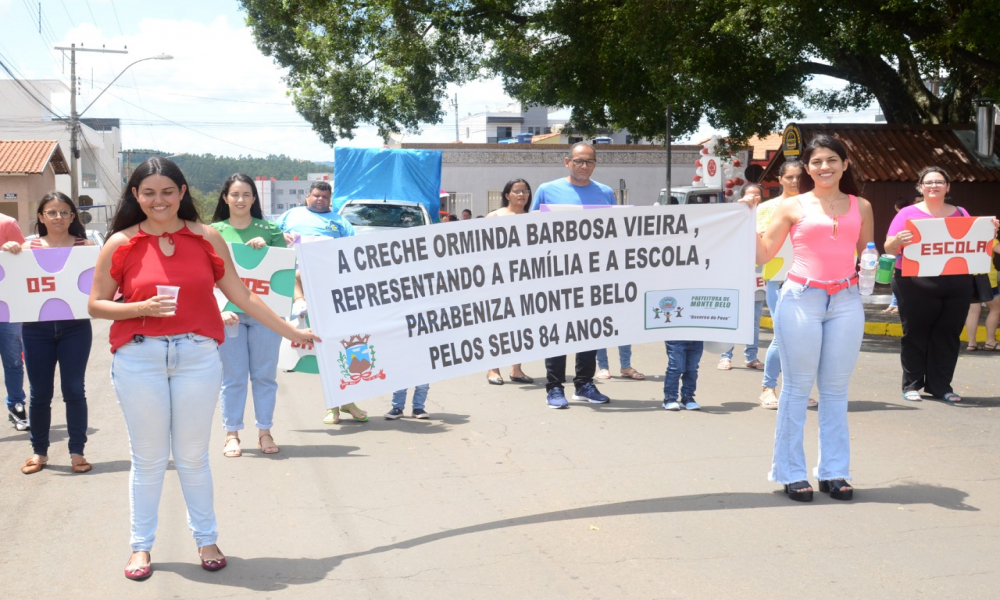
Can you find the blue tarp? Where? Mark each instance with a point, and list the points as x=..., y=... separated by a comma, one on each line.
x=377, y=173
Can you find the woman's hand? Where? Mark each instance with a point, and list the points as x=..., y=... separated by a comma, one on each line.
x=904, y=237
x=158, y=306
x=303, y=336
x=749, y=200
x=12, y=247
x=230, y=318
x=257, y=243
x=290, y=238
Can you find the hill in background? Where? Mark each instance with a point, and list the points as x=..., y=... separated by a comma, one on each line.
x=206, y=173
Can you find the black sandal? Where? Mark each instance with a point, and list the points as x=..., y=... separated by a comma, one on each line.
x=833, y=487
x=798, y=491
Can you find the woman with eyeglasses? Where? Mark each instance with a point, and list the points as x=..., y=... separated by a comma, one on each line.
x=515, y=200
x=819, y=317
x=932, y=309
x=253, y=353
x=65, y=343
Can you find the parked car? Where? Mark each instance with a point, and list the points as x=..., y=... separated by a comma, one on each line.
x=379, y=215
x=687, y=194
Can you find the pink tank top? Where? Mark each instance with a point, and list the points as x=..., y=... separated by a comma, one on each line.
x=820, y=255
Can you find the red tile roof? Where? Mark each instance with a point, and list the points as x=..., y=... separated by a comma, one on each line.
x=31, y=156
x=882, y=152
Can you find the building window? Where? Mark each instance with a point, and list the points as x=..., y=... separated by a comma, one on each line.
x=504, y=133
x=281, y=192
x=548, y=130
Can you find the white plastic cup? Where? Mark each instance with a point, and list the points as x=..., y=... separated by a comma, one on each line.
x=168, y=290
x=233, y=330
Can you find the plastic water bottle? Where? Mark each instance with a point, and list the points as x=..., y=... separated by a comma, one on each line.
x=869, y=265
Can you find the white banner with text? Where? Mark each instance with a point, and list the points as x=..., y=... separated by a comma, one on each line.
x=411, y=306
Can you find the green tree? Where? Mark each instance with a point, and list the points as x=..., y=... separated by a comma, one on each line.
x=619, y=63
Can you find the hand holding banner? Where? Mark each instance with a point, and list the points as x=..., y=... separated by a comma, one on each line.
x=46, y=284
x=949, y=246
x=442, y=301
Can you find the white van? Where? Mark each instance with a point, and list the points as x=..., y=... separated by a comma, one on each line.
x=687, y=194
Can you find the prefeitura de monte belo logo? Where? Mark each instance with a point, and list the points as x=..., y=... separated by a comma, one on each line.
x=357, y=361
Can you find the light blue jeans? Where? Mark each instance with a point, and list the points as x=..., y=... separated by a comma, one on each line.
x=419, y=397
x=624, y=357
x=13, y=366
x=750, y=351
x=252, y=354
x=820, y=341
x=772, y=359
x=168, y=387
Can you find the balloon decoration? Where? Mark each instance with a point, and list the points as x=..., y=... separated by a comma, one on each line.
x=717, y=171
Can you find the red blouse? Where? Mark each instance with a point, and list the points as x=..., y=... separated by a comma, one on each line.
x=139, y=266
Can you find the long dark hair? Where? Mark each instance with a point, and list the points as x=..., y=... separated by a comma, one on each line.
x=507, y=188
x=129, y=212
x=847, y=183
x=222, y=209
x=75, y=229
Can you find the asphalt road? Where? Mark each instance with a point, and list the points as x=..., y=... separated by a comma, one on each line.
x=497, y=496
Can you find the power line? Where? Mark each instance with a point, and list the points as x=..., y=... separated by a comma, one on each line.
x=195, y=130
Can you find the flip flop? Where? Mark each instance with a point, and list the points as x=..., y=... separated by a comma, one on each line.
x=951, y=397
x=602, y=374
x=912, y=396
x=232, y=452
x=632, y=374
x=755, y=364
x=725, y=365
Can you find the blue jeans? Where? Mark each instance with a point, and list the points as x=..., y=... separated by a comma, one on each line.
x=820, y=341
x=750, y=351
x=624, y=357
x=66, y=343
x=682, y=367
x=168, y=387
x=419, y=397
x=772, y=359
x=13, y=366
x=252, y=354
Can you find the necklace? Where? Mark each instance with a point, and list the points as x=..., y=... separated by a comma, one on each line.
x=833, y=216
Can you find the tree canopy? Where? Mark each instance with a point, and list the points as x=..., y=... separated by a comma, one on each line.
x=619, y=63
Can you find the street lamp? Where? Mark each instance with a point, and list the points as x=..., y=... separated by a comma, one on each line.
x=74, y=117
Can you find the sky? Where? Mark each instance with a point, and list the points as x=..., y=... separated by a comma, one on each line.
x=218, y=95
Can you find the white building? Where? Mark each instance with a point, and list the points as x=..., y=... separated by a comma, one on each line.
x=277, y=196
x=514, y=120
x=29, y=116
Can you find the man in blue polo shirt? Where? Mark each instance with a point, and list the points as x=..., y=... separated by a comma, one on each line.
x=316, y=218
x=577, y=188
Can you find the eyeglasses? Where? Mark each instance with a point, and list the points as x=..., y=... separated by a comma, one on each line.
x=935, y=183
x=580, y=162
x=519, y=192
x=57, y=213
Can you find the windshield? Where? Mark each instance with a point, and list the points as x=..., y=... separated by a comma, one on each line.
x=383, y=215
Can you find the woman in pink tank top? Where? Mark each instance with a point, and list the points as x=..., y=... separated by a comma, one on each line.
x=819, y=316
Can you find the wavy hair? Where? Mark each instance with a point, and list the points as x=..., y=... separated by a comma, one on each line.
x=847, y=183
x=129, y=212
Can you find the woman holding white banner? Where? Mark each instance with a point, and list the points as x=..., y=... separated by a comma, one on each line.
x=932, y=309
x=516, y=200
x=820, y=319
x=166, y=368
x=48, y=343
x=252, y=353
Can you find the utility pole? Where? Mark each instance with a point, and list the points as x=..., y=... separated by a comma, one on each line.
x=74, y=118
x=454, y=104
x=666, y=198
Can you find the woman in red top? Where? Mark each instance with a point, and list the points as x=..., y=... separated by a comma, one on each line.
x=166, y=368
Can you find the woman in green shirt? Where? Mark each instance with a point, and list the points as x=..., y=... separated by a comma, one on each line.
x=253, y=353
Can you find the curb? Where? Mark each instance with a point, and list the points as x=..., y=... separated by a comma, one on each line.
x=886, y=329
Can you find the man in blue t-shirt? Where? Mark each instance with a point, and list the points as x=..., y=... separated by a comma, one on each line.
x=577, y=188
x=316, y=218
